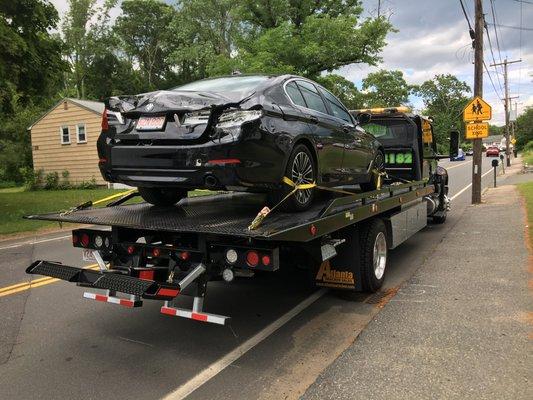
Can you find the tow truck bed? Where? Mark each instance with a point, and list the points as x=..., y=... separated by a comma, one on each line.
x=231, y=214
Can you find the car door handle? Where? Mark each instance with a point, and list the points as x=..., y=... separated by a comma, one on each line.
x=313, y=119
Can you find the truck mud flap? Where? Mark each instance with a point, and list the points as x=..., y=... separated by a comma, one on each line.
x=112, y=281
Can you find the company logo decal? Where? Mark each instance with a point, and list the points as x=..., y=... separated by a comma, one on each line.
x=330, y=277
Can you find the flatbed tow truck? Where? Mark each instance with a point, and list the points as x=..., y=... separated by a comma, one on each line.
x=160, y=253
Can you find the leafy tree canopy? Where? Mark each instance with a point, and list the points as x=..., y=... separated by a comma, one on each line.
x=386, y=89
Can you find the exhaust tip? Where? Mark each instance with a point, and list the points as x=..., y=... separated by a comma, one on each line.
x=210, y=181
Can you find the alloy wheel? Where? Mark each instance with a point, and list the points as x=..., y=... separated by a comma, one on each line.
x=302, y=172
x=380, y=255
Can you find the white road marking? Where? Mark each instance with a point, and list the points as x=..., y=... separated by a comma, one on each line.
x=460, y=192
x=218, y=366
x=13, y=246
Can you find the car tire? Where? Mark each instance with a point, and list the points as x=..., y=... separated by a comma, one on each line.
x=301, y=168
x=439, y=220
x=374, y=248
x=162, y=196
x=379, y=165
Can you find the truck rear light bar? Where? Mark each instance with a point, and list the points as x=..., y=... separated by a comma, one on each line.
x=92, y=239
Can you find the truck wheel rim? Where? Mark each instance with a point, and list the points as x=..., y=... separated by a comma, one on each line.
x=302, y=172
x=380, y=255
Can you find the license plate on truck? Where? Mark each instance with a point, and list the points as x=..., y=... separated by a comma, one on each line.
x=88, y=255
x=150, y=123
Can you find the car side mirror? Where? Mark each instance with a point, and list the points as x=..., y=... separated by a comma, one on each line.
x=363, y=118
x=454, y=144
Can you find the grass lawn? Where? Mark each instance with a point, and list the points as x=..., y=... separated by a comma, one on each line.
x=15, y=202
x=527, y=191
x=527, y=158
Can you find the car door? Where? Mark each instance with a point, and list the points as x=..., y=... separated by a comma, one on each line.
x=356, y=141
x=323, y=127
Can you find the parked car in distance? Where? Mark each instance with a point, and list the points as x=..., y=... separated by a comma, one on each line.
x=469, y=152
x=242, y=133
x=460, y=156
x=492, y=151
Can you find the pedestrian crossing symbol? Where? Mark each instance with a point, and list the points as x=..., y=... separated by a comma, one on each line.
x=477, y=110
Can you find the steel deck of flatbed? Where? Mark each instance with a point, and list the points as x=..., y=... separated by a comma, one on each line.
x=231, y=214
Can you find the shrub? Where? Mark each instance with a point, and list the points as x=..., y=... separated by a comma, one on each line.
x=87, y=184
x=528, y=147
x=65, y=182
x=33, y=180
x=51, y=181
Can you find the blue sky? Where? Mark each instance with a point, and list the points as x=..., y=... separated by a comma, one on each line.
x=433, y=38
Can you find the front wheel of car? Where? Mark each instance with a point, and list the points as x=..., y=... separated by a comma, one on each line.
x=301, y=169
x=378, y=168
x=162, y=196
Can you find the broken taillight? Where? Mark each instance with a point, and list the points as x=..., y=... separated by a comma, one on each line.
x=105, y=121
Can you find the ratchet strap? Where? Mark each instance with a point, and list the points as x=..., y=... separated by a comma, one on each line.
x=91, y=203
x=265, y=211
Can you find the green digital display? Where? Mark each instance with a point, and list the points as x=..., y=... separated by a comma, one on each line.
x=399, y=158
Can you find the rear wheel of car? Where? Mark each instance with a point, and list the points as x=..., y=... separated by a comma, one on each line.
x=300, y=169
x=378, y=167
x=162, y=196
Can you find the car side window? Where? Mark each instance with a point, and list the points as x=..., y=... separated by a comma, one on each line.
x=312, y=97
x=336, y=107
x=294, y=94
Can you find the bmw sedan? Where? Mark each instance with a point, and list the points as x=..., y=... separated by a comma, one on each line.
x=241, y=133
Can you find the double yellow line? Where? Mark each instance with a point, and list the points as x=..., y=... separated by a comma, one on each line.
x=21, y=287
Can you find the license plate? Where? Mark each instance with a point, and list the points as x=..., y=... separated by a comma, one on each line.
x=150, y=123
x=88, y=255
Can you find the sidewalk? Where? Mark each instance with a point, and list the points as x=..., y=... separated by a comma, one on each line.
x=460, y=328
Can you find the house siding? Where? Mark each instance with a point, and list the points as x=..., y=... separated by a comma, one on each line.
x=80, y=159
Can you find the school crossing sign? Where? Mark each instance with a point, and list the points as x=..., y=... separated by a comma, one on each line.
x=475, y=112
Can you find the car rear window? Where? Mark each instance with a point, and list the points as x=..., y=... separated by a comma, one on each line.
x=225, y=84
x=337, y=110
x=294, y=94
x=311, y=96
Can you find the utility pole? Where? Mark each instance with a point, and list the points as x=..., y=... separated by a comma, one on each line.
x=478, y=91
x=379, y=8
x=506, y=103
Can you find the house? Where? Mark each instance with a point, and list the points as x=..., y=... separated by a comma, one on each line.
x=64, y=139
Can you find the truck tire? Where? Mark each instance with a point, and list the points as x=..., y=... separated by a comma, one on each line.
x=162, y=196
x=374, y=247
x=440, y=219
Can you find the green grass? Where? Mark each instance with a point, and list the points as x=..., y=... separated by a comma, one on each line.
x=527, y=158
x=527, y=191
x=15, y=202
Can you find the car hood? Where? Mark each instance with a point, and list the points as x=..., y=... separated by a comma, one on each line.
x=173, y=100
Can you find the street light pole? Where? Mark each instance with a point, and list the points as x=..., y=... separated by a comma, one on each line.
x=478, y=91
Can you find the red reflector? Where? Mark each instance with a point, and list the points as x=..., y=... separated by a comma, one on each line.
x=199, y=317
x=85, y=240
x=252, y=258
x=313, y=230
x=131, y=249
x=167, y=292
x=156, y=252
x=102, y=160
x=105, y=122
x=265, y=260
x=224, y=161
x=75, y=239
x=147, y=275
x=185, y=255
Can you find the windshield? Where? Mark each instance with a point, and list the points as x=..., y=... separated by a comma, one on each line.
x=395, y=132
x=242, y=84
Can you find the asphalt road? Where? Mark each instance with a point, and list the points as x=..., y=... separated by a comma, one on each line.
x=55, y=344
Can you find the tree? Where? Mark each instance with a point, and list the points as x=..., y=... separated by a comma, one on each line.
x=30, y=57
x=444, y=97
x=308, y=37
x=524, y=128
x=386, y=89
x=145, y=34
x=344, y=89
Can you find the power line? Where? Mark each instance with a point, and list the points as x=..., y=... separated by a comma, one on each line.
x=511, y=27
x=491, y=81
x=495, y=31
x=524, y=1
x=493, y=57
x=470, y=30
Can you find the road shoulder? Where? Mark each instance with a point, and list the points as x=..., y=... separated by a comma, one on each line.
x=459, y=328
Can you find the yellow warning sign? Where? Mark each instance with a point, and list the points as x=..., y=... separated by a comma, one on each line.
x=427, y=136
x=477, y=130
x=330, y=277
x=477, y=110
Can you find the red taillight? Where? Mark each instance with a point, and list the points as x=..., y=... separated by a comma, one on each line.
x=75, y=239
x=130, y=249
x=85, y=240
x=313, y=230
x=102, y=160
x=252, y=258
x=105, y=122
x=147, y=275
x=156, y=252
x=265, y=260
x=225, y=161
x=185, y=255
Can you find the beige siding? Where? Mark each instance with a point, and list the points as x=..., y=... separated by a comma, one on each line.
x=80, y=159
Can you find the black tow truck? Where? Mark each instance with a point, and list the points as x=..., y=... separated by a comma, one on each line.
x=159, y=253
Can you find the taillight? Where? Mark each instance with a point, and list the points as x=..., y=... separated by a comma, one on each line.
x=75, y=239
x=105, y=122
x=85, y=240
x=130, y=249
x=313, y=230
x=184, y=255
x=252, y=258
x=265, y=260
x=147, y=275
x=156, y=252
x=224, y=161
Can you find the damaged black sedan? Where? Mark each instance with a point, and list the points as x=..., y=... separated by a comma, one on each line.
x=242, y=133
